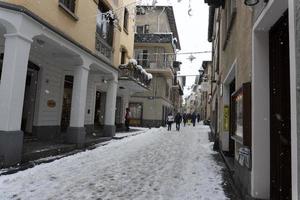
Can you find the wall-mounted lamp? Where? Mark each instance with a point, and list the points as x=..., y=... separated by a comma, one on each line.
x=104, y=81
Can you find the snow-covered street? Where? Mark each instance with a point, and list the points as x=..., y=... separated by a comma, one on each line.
x=156, y=164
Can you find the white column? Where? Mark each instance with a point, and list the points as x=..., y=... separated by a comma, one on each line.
x=79, y=97
x=12, y=85
x=110, y=108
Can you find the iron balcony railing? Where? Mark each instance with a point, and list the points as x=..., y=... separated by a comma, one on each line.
x=156, y=61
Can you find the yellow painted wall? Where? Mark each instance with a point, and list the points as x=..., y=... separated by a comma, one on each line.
x=83, y=30
x=124, y=39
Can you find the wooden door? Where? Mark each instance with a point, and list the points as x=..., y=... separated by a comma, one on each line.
x=280, y=135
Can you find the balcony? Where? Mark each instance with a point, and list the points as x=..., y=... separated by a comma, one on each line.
x=135, y=73
x=154, y=38
x=155, y=64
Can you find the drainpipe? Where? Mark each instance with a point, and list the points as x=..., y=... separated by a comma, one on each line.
x=158, y=19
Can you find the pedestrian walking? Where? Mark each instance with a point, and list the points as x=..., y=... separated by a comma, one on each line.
x=184, y=117
x=194, y=116
x=127, y=119
x=178, y=119
x=198, y=117
x=170, y=120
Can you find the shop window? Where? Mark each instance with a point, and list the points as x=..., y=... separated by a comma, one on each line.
x=241, y=101
x=69, y=4
x=126, y=19
x=136, y=111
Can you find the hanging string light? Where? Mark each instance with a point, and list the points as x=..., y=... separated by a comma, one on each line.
x=191, y=57
x=190, y=9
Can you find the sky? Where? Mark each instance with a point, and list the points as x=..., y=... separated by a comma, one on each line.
x=192, y=32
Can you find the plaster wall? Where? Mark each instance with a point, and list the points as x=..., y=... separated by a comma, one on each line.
x=156, y=19
x=127, y=37
x=152, y=108
x=83, y=30
x=50, y=85
x=238, y=51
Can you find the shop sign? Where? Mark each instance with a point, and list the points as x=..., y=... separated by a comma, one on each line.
x=51, y=103
x=226, y=118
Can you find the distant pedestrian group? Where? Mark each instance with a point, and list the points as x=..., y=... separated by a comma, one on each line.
x=186, y=118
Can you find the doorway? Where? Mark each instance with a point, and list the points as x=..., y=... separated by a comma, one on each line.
x=99, y=115
x=67, y=103
x=29, y=99
x=280, y=136
x=231, y=119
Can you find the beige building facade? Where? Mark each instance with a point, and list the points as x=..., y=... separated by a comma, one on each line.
x=66, y=62
x=156, y=41
x=230, y=25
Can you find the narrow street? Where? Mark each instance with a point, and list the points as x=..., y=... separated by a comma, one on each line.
x=156, y=164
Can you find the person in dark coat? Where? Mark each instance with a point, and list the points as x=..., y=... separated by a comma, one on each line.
x=127, y=119
x=194, y=116
x=198, y=117
x=178, y=119
x=184, y=116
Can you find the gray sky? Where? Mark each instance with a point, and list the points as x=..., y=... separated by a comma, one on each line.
x=192, y=34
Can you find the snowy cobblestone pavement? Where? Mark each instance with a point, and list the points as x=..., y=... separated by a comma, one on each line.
x=153, y=165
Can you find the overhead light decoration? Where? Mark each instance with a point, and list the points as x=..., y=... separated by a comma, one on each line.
x=251, y=2
x=191, y=57
x=190, y=9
